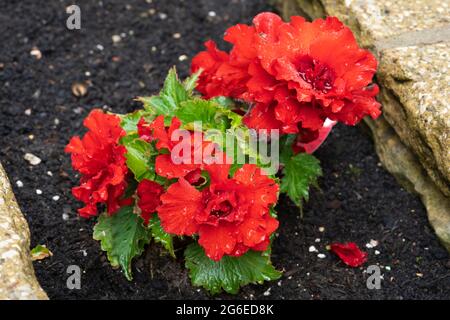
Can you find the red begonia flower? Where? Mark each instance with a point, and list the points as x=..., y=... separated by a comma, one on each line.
x=231, y=215
x=177, y=163
x=102, y=163
x=149, y=193
x=349, y=253
x=296, y=74
x=157, y=131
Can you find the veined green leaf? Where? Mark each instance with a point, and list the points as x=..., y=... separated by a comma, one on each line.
x=230, y=273
x=191, y=82
x=299, y=172
x=123, y=237
x=171, y=96
x=160, y=236
x=140, y=157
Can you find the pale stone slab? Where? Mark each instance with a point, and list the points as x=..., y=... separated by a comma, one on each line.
x=416, y=102
x=17, y=279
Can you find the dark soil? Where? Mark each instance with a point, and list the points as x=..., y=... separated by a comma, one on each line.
x=358, y=200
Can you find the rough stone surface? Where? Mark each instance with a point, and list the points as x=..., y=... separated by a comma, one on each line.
x=411, y=41
x=17, y=279
x=416, y=102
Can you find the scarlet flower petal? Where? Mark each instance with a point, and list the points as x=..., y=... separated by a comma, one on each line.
x=165, y=167
x=262, y=190
x=262, y=116
x=349, y=253
x=217, y=241
x=149, y=193
x=179, y=206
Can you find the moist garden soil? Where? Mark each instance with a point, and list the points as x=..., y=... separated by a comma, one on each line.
x=357, y=201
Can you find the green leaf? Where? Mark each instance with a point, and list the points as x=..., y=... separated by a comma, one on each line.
x=209, y=113
x=224, y=102
x=230, y=273
x=130, y=121
x=169, y=99
x=40, y=252
x=123, y=236
x=200, y=110
x=160, y=235
x=190, y=83
x=140, y=157
x=299, y=172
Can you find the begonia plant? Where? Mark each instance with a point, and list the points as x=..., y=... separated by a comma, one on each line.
x=194, y=162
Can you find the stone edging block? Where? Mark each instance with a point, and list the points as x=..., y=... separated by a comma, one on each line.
x=17, y=278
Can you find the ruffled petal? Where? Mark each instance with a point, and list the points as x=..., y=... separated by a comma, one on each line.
x=179, y=206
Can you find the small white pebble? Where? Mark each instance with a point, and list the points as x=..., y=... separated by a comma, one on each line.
x=266, y=293
x=56, y=121
x=312, y=249
x=279, y=283
x=321, y=229
x=100, y=47
x=176, y=35
x=55, y=198
x=388, y=268
x=78, y=110
x=321, y=256
x=317, y=240
x=212, y=14
x=183, y=57
x=65, y=216
x=31, y=136
x=308, y=274
x=420, y=275
x=49, y=173
x=154, y=49
x=87, y=74
x=373, y=243
x=38, y=191
x=32, y=159
x=377, y=252
x=35, y=52
x=116, y=38
x=19, y=184
x=28, y=112
x=162, y=16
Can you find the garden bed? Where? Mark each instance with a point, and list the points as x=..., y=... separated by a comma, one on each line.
x=358, y=200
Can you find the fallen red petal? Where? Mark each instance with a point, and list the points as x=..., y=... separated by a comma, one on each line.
x=349, y=253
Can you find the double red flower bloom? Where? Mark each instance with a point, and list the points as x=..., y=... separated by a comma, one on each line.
x=296, y=74
x=102, y=163
x=230, y=215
